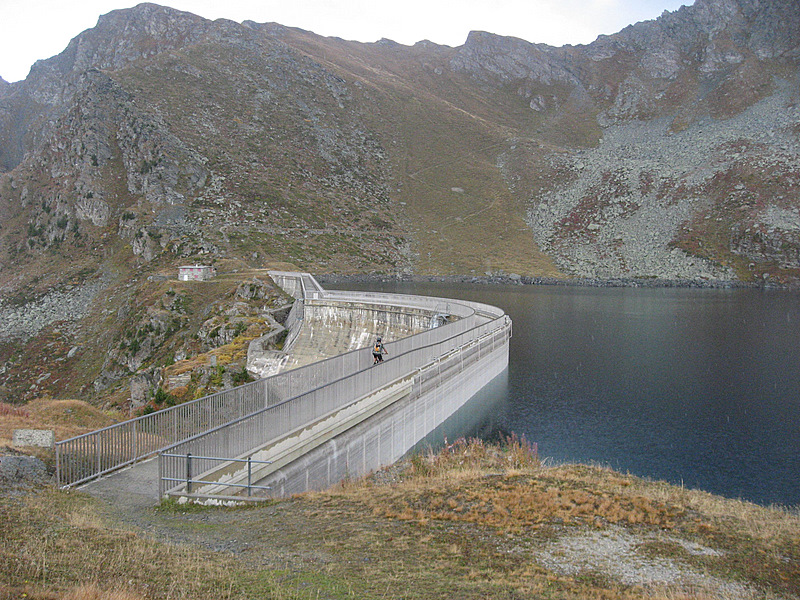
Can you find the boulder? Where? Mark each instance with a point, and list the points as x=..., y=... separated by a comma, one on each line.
x=19, y=470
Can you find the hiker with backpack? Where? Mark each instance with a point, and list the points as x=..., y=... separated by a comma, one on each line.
x=378, y=351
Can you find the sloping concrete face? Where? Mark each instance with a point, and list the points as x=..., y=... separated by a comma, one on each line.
x=330, y=328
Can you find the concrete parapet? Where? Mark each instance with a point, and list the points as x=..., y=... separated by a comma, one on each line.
x=376, y=316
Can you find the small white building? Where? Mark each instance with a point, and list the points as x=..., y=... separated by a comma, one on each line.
x=196, y=273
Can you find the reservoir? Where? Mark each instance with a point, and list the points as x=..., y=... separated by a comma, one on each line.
x=698, y=387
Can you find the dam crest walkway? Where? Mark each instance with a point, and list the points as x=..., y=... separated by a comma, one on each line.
x=314, y=422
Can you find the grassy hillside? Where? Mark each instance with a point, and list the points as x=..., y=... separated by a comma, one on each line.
x=443, y=136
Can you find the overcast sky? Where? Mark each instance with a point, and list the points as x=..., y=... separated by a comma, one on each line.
x=36, y=29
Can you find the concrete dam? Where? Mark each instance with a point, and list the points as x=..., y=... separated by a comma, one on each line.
x=321, y=412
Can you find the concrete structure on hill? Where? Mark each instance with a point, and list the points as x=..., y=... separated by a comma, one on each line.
x=196, y=272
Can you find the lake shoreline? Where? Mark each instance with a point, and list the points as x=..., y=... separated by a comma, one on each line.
x=513, y=279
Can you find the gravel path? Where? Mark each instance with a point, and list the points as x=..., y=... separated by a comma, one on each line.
x=615, y=553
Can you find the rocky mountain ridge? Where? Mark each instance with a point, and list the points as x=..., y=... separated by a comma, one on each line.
x=667, y=151
x=681, y=67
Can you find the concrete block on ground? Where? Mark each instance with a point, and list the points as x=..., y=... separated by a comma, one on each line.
x=41, y=438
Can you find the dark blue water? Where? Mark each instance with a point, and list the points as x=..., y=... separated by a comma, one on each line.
x=695, y=387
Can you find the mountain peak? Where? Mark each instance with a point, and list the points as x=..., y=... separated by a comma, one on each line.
x=151, y=17
x=119, y=38
x=301, y=130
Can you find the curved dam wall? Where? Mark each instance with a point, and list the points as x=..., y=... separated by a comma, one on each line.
x=352, y=417
x=433, y=395
x=331, y=327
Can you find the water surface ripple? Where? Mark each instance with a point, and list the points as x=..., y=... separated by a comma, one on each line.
x=693, y=386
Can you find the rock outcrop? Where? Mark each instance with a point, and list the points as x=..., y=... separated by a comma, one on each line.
x=687, y=104
x=19, y=473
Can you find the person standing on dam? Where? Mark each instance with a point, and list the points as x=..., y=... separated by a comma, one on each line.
x=378, y=351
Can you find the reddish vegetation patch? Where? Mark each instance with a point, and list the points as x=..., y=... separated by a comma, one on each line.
x=750, y=83
x=27, y=379
x=646, y=183
x=610, y=73
x=731, y=230
x=510, y=503
x=7, y=410
x=682, y=90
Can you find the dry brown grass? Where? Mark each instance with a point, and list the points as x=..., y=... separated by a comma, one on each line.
x=91, y=591
x=56, y=545
x=94, y=591
x=470, y=485
x=768, y=525
x=7, y=410
x=474, y=483
x=66, y=417
x=470, y=522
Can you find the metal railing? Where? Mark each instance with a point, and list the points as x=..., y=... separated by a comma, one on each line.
x=93, y=454
x=270, y=424
x=189, y=480
x=85, y=457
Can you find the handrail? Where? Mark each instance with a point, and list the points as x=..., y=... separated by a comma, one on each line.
x=189, y=480
x=87, y=456
x=269, y=424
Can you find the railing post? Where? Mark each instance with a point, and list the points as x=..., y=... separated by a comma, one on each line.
x=135, y=441
x=58, y=466
x=97, y=440
x=249, y=474
x=160, y=476
x=188, y=472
